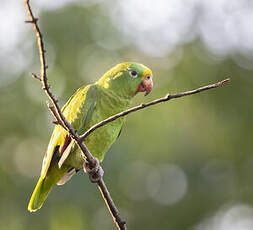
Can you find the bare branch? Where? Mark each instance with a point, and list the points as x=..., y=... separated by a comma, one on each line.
x=60, y=119
x=121, y=224
x=56, y=122
x=36, y=76
x=55, y=114
x=156, y=101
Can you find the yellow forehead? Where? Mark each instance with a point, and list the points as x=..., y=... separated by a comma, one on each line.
x=116, y=71
x=147, y=72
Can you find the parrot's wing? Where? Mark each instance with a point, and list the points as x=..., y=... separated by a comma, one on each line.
x=78, y=111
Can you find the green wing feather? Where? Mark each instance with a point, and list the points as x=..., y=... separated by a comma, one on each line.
x=78, y=111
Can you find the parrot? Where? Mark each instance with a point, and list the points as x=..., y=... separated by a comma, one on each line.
x=111, y=94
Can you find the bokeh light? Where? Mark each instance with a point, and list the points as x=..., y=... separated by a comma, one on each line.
x=167, y=184
x=233, y=217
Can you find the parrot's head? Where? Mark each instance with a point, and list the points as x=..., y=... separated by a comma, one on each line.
x=127, y=79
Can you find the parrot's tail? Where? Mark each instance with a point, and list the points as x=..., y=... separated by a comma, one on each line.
x=44, y=186
x=40, y=194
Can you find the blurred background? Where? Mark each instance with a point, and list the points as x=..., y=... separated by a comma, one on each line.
x=182, y=165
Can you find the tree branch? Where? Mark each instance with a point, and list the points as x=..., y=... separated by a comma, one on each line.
x=61, y=120
x=156, y=101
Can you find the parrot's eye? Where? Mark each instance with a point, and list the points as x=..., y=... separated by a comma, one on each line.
x=133, y=73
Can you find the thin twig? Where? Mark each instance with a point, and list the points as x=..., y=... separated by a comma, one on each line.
x=60, y=119
x=156, y=101
x=55, y=114
x=36, y=76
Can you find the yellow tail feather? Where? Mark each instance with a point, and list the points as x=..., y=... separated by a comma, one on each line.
x=45, y=185
x=40, y=194
x=35, y=203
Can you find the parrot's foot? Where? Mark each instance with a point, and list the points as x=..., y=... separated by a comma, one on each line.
x=95, y=172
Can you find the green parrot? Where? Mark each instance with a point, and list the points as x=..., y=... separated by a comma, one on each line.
x=90, y=104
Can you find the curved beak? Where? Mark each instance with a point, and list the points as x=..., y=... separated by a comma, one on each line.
x=146, y=85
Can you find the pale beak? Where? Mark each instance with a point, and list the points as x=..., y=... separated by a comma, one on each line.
x=146, y=85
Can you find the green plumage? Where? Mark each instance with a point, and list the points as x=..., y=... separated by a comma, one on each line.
x=89, y=105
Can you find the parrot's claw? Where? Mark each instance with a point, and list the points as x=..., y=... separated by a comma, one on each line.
x=95, y=173
x=94, y=178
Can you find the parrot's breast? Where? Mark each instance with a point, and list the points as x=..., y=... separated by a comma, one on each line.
x=99, y=141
